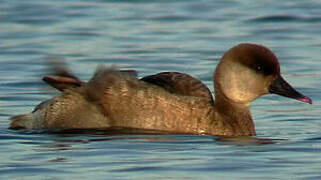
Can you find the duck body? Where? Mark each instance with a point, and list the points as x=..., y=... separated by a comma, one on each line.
x=170, y=101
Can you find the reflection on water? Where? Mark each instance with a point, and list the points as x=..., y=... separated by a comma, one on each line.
x=76, y=136
x=152, y=36
x=125, y=155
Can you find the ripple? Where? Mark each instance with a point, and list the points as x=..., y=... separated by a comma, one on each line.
x=79, y=34
x=32, y=14
x=171, y=18
x=23, y=84
x=283, y=18
x=28, y=170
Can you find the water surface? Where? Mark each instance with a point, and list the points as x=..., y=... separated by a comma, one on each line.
x=153, y=36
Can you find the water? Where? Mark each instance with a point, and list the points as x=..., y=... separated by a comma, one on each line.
x=153, y=36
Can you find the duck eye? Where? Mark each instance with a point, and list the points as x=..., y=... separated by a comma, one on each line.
x=259, y=68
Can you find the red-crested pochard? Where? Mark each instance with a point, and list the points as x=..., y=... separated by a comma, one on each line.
x=169, y=101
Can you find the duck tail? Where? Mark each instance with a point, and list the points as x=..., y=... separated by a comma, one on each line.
x=22, y=121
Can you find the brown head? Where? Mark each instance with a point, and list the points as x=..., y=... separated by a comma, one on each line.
x=248, y=71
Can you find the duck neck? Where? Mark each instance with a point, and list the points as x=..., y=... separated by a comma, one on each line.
x=235, y=118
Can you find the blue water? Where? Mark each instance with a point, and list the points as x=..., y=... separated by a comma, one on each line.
x=152, y=36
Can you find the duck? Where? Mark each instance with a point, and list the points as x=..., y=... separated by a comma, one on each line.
x=172, y=102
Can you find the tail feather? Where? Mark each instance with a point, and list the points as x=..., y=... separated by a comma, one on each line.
x=23, y=121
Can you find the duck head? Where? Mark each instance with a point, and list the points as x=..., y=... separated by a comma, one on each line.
x=248, y=71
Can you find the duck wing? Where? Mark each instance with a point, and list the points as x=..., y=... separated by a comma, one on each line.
x=63, y=78
x=180, y=83
x=61, y=82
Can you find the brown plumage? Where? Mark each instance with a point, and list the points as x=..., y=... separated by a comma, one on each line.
x=170, y=101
